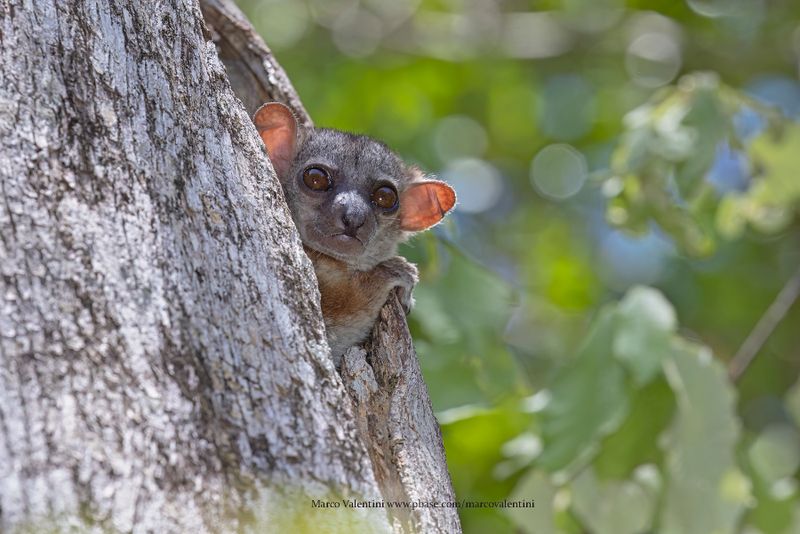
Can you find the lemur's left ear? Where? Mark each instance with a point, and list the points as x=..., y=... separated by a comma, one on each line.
x=277, y=127
x=424, y=203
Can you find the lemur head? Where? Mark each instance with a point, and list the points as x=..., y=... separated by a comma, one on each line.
x=351, y=197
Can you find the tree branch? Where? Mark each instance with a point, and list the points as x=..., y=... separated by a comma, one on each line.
x=766, y=325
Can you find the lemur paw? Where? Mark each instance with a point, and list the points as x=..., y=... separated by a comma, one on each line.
x=402, y=275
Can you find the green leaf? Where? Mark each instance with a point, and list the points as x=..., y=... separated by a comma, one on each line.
x=669, y=146
x=467, y=354
x=779, y=183
x=474, y=437
x=588, y=400
x=645, y=325
x=540, y=520
x=705, y=492
x=775, y=454
x=613, y=506
x=710, y=123
x=636, y=441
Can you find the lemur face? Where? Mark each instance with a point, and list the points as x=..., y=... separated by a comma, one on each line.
x=351, y=197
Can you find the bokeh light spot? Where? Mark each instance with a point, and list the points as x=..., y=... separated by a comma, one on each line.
x=458, y=136
x=558, y=171
x=534, y=35
x=285, y=21
x=722, y=8
x=653, y=59
x=477, y=184
x=357, y=32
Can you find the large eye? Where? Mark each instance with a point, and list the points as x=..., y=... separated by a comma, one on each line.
x=385, y=197
x=317, y=179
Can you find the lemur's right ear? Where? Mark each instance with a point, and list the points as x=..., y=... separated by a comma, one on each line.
x=277, y=127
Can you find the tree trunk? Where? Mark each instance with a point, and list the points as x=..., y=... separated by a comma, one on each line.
x=163, y=366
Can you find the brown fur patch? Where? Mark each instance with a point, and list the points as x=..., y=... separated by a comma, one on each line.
x=347, y=296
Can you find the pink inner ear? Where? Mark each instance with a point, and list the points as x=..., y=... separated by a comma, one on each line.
x=278, y=129
x=424, y=204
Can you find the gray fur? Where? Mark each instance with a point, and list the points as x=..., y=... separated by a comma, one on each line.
x=359, y=165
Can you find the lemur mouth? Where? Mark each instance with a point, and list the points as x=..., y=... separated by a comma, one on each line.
x=339, y=245
x=346, y=237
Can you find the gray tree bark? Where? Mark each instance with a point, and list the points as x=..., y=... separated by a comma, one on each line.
x=163, y=366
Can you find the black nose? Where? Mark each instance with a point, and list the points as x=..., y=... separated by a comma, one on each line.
x=352, y=220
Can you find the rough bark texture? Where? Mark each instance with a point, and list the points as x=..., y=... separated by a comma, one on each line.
x=253, y=72
x=394, y=412
x=396, y=422
x=162, y=359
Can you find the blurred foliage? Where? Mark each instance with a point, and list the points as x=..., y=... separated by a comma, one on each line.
x=664, y=167
x=628, y=209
